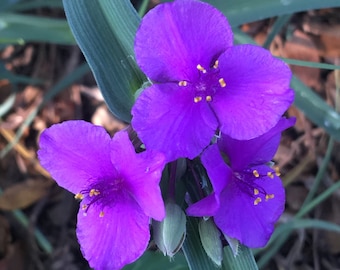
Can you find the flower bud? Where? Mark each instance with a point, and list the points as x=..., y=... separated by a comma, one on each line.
x=169, y=234
x=210, y=239
x=233, y=243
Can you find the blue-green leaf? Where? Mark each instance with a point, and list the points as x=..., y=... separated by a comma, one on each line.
x=16, y=28
x=244, y=11
x=105, y=32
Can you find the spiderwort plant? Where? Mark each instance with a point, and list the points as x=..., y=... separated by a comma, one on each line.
x=119, y=189
x=203, y=84
x=248, y=196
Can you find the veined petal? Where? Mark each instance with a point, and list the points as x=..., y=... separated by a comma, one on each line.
x=256, y=94
x=174, y=38
x=259, y=150
x=76, y=153
x=119, y=237
x=141, y=176
x=219, y=174
x=167, y=119
x=245, y=217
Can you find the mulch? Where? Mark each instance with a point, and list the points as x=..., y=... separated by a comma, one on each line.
x=310, y=36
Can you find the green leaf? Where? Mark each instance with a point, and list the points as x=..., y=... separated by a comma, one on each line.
x=18, y=27
x=244, y=11
x=198, y=259
x=193, y=249
x=156, y=260
x=7, y=104
x=316, y=109
x=244, y=259
x=14, y=79
x=280, y=22
x=33, y=4
x=105, y=32
x=309, y=64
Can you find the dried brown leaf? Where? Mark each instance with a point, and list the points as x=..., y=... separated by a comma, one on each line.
x=24, y=194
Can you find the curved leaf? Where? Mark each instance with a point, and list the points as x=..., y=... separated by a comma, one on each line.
x=244, y=11
x=105, y=32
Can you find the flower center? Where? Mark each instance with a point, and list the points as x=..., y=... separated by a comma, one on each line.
x=208, y=83
x=247, y=183
x=100, y=193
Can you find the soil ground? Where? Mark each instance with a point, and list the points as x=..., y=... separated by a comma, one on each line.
x=310, y=36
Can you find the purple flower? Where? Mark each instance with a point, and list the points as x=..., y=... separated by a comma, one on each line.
x=248, y=196
x=118, y=189
x=203, y=84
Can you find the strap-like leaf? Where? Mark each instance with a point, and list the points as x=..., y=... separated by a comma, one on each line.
x=105, y=32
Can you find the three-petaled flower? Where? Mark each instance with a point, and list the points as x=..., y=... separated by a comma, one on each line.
x=203, y=84
x=248, y=196
x=119, y=189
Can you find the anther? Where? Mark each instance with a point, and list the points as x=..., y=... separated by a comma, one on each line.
x=215, y=64
x=84, y=207
x=277, y=171
x=222, y=82
x=101, y=214
x=269, y=196
x=200, y=68
x=257, y=201
x=182, y=83
x=256, y=173
x=208, y=98
x=270, y=175
x=79, y=196
x=94, y=192
x=197, y=99
x=256, y=191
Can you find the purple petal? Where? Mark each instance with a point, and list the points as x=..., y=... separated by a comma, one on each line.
x=167, y=119
x=74, y=153
x=242, y=218
x=206, y=207
x=141, y=176
x=219, y=174
x=256, y=94
x=259, y=150
x=174, y=38
x=119, y=237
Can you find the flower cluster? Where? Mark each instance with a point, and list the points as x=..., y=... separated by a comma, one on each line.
x=210, y=102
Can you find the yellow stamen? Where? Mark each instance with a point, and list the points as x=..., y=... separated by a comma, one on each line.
x=277, y=171
x=216, y=64
x=197, y=99
x=256, y=191
x=79, y=196
x=269, y=196
x=257, y=201
x=256, y=173
x=94, y=192
x=84, y=207
x=222, y=82
x=101, y=214
x=200, y=68
x=182, y=83
x=270, y=175
x=208, y=98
